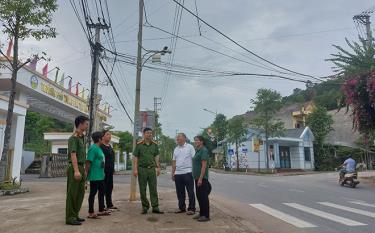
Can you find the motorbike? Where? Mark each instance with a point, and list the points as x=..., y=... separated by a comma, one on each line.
x=349, y=179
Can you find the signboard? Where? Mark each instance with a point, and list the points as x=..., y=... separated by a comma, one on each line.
x=244, y=150
x=146, y=119
x=256, y=145
x=231, y=152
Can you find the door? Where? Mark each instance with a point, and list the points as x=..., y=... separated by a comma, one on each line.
x=284, y=157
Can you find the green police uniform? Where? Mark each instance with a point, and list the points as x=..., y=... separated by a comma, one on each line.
x=75, y=189
x=146, y=154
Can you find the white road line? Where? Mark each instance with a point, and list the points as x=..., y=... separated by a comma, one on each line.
x=263, y=185
x=353, y=210
x=282, y=216
x=325, y=215
x=362, y=203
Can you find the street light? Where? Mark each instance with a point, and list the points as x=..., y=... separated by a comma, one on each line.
x=215, y=113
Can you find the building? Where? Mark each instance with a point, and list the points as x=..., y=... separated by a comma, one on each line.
x=37, y=93
x=293, y=150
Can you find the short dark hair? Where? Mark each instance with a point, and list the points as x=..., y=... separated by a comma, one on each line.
x=146, y=129
x=80, y=120
x=105, y=131
x=200, y=138
x=96, y=136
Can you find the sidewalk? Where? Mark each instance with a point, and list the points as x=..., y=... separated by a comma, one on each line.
x=43, y=210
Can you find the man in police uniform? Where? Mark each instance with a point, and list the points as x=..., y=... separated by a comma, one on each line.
x=147, y=167
x=76, y=172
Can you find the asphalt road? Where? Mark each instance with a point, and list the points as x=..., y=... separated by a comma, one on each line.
x=307, y=203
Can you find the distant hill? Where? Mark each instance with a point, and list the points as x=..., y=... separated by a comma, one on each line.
x=326, y=94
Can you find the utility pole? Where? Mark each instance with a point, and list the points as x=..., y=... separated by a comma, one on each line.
x=94, y=102
x=157, y=108
x=364, y=18
x=133, y=184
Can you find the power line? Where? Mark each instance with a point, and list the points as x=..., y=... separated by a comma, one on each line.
x=115, y=91
x=239, y=45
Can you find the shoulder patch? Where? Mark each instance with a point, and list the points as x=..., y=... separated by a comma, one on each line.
x=140, y=142
x=155, y=142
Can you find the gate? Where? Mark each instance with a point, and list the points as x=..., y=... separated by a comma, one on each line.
x=54, y=165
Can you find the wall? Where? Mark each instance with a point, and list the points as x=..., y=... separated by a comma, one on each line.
x=27, y=159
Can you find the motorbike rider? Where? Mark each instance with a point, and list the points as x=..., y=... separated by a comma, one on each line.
x=348, y=166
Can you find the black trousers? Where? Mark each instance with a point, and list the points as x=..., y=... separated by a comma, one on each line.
x=185, y=181
x=95, y=187
x=202, y=195
x=108, y=188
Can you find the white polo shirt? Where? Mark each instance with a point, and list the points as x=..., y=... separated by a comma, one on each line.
x=183, y=155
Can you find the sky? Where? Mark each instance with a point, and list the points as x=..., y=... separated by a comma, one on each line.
x=294, y=34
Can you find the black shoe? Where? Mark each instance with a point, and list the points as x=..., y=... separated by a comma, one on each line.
x=144, y=211
x=203, y=219
x=74, y=223
x=81, y=219
x=157, y=211
x=180, y=211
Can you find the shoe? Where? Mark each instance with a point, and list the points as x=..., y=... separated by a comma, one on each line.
x=113, y=208
x=196, y=217
x=144, y=211
x=180, y=211
x=157, y=211
x=81, y=219
x=203, y=219
x=74, y=223
x=190, y=212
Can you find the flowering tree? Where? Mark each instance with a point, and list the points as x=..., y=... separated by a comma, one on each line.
x=357, y=68
x=359, y=91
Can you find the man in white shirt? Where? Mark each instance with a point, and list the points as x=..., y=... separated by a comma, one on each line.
x=182, y=174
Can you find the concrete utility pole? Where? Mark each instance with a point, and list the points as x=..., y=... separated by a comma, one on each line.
x=364, y=18
x=94, y=101
x=133, y=184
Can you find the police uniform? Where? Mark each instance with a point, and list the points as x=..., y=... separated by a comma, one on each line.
x=146, y=154
x=75, y=189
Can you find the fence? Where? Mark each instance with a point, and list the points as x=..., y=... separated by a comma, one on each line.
x=54, y=165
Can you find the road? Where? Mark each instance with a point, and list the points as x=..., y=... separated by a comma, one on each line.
x=286, y=204
x=306, y=203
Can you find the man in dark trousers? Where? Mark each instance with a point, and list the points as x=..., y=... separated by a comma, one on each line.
x=76, y=172
x=109, y=169
x=182, y=174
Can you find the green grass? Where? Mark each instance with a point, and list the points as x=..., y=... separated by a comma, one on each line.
x=9, y=186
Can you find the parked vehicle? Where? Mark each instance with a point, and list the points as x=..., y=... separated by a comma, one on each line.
x=349, y=179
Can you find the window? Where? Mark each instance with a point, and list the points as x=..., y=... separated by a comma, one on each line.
x=307, y=154
x=62, y=151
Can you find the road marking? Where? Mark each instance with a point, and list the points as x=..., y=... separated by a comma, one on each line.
x=263, y=185
x=282, y=216
x=362, y=203
x=353, y=210
x=296, y=190
x=325, y=215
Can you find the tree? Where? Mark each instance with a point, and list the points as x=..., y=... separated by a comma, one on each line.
x=166, y=147
x=267, y=103
x=237, y=131
x=22, y=19
x=361, y=60
x=320, y=123
x=220, y=127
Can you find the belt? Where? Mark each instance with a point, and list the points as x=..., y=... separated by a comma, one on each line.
x=149, y=167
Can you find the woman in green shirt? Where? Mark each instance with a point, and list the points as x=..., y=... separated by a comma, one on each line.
x=95, y=174
x=200, y=175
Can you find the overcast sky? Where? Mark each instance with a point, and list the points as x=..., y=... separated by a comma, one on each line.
x=295, y=34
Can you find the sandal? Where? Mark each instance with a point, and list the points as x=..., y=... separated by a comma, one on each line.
x=95, y=216
x=105, y=213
